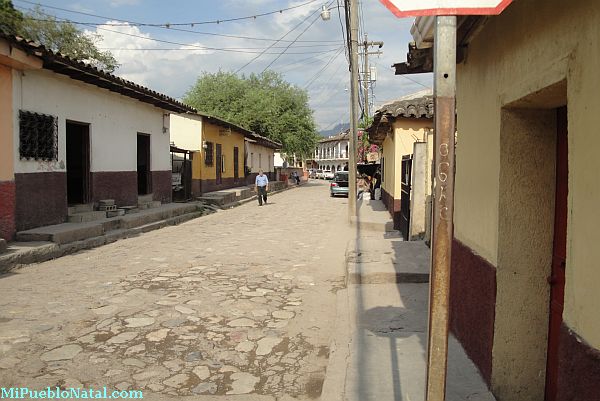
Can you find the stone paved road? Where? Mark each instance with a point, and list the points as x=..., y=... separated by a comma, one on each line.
x=238, y=302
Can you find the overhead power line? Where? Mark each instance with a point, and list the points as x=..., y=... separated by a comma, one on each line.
x=168, y=24
x=320, y=52
x=290, y=44
x=277, y=41
x=191, y=46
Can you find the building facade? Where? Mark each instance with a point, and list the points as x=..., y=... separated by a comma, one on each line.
x=224, y=155
x=403, y=129
x=332, y=152
x=525, y=282
x=75, y=135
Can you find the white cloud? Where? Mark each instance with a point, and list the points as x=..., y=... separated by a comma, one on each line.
x=174, y=72
x=120, y=3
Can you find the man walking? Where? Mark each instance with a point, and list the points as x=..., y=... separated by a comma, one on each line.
x=262, y=186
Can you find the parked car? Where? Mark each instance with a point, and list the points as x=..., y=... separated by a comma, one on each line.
x=339, y=184
x=319, y=174
x=328, y=174
x=312, y=173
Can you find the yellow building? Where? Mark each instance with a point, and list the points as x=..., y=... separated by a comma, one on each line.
x=525, y=281
x=219, y=151
x=399, y=129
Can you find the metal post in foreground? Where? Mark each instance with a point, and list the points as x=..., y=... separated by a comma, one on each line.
x=352, y=8
x=444, y=97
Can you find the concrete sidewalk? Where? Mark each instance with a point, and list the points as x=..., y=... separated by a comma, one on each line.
x=379, y=350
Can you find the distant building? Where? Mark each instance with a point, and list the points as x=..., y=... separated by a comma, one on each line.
x=332, y=152
x=403, y=129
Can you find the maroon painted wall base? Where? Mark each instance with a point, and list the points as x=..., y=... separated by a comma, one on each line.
x=41, y=199
x=7, y=210
x=473, y=305
x=118, y=185
x=393, y=206
x=229, y=182
x=161, y=186
x=578, y=369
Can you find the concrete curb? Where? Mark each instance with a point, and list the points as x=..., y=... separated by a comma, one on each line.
x=388, y=278
x=53, y=251
x=334, y=385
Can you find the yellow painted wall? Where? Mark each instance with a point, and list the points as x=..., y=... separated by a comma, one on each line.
x=406, y=133
x=516, y=54
x=6, y=127
x=389, y=170
x=212, y=133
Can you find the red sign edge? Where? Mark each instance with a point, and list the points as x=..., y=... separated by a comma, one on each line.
x=446, y=11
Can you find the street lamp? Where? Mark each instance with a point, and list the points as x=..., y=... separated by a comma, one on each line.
x=352, y=11
x=325, y=13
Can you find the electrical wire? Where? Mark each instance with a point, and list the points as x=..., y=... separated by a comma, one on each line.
x=316, y=76
x=288, y=46
x=69, y=21
x=406, y=77
x=197, y=47
x=346, y=51
x=274, y=43
x=252, y=17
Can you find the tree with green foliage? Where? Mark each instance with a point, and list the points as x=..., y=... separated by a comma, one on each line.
x=59, y=36
x=264, y=103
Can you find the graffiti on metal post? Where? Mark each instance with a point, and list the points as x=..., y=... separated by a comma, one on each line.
x=443, y=169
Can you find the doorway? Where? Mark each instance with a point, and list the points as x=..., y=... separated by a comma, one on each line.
x=527, y=232
x=559, y=255
x=143, y=164
x=236, y=164
x=78, y=162
x=405, y=195
x=219, y=164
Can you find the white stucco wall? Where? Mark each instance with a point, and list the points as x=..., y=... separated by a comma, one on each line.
x=115, y=120
x=278, y=159
x=186, y=131
x=266, y=158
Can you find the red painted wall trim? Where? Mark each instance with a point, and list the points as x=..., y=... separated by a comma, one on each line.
x=7, y=210
x=473, y=305
x=578, y=368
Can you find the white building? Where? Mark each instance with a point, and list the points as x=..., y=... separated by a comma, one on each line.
x=72, y=134
x=332, y=152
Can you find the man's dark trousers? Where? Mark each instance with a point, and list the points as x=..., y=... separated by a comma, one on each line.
x=262, y=194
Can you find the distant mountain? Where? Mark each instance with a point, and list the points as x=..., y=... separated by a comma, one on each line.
x=335, y=130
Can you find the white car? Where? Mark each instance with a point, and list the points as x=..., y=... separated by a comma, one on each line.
x=319, y=174
x=328, y=174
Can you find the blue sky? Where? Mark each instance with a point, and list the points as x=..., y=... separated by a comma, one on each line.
x=316, y=61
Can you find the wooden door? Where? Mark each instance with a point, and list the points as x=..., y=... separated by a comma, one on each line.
x=236, y=164
x=559, y=256
x=405, y=192
x=219, y=164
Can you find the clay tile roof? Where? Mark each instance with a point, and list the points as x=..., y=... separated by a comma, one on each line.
x=338, y=137
x=407, y=107
x=84, y=72
x=421, y=107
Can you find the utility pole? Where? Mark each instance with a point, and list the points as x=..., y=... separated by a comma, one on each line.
x=352, y=9
x=366, y=75
x=444, y=86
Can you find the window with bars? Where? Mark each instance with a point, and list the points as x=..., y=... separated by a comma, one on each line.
x=209, y=154
x=38, y=136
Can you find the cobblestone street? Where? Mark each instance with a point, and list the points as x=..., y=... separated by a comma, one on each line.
x=238, y=302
